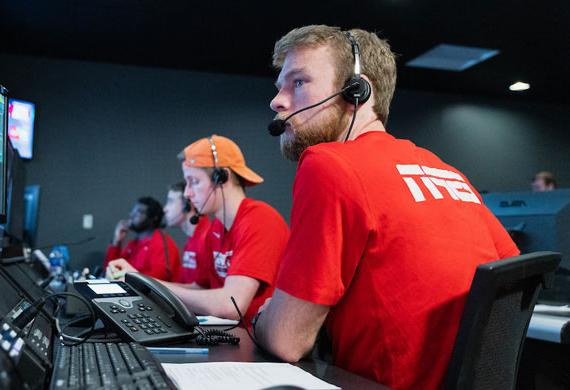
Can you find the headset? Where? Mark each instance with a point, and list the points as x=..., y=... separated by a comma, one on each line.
x=356, y=90
x=220, y=175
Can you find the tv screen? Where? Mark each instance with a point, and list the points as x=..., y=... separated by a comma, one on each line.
x=21, y=116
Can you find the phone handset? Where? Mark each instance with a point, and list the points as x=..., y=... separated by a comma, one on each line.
x=145, y=284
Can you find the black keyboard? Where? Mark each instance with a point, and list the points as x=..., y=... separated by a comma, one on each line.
x=125, y=366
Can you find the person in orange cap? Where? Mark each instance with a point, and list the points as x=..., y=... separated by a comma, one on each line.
x=246, y=241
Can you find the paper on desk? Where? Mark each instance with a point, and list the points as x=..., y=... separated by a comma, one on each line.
x=243, y=376
x=211, y=320
x=563, y=310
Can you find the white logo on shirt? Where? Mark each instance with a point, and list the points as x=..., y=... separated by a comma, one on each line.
x=216, y=234
x=222, y=262
x=432, y=178
x=189, y=260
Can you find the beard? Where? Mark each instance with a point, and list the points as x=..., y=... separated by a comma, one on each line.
x=142, y=226
x=299, y=137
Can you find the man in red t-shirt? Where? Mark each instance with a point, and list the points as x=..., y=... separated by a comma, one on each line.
x=247, y=239
x=385, y=236
x=179, y=212
x=152, y=251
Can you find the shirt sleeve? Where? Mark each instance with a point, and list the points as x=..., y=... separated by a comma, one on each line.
x=260, y=244
x=329, y=229
x=113, y=252
x=504, y=244
x=174, y=257
x=154, y=261
x=204, y=260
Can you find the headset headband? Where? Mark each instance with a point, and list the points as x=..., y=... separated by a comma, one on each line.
x=214, y=151
x=355, y=53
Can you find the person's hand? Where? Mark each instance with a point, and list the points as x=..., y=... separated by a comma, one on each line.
x=121, y=231
x=117, y=269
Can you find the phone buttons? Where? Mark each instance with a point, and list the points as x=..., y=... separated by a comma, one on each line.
x=163, y=321
x=125, y=303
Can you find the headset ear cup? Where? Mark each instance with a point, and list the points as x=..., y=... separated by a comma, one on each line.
x=360, y=90
x=219, y=176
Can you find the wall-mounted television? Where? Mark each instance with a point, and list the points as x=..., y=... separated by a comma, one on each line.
x=21, y=115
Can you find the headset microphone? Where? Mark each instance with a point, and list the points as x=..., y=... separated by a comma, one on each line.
x=195, y=219
x=277, y=126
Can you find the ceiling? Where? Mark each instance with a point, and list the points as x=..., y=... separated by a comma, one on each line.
x=237, y=37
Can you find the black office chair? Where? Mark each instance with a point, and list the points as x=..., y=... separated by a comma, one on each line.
x=493, y=327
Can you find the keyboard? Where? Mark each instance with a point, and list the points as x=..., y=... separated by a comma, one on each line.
x=125, y=366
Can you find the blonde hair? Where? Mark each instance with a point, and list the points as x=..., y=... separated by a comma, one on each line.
x=377, y=61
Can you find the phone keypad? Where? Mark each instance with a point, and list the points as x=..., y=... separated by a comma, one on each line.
x=148, y=325
x=143, y=307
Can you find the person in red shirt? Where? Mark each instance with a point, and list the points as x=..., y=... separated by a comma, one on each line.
x=246, y=241
x=152, y=251
x=179, y=212
x=385, y=236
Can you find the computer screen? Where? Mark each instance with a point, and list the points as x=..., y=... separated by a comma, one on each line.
x=13, y=228
x=21, y=115
x=3, y=129
x=538, y=221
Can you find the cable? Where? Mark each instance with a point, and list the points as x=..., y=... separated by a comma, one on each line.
x=245, y=326
x=24, y=258
x=32, y=311
x=68, y=243
x=353, y=118
x=214, y=337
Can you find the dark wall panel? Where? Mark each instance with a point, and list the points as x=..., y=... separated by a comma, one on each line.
x=107, y=134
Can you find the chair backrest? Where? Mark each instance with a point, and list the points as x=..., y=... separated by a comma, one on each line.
x=493, y=327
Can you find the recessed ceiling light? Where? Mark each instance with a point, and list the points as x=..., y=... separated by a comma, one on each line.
x=452, y=57
x=519, y=86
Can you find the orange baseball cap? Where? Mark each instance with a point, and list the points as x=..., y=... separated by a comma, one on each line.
x=200, y=154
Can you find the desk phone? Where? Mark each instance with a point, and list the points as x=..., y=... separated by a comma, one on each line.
x=140, y=309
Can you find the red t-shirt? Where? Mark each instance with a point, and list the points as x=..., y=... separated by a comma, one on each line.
x=252, y=247
x=389, y=236
x=148, y=255
x=195, y=243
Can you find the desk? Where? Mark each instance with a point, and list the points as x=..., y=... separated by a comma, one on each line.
x=246, y=351
x=549, y=328
x=545, y=359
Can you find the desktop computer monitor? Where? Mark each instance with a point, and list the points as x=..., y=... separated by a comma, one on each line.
x=3, y=139
x=538, y=221
x=13, y=227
